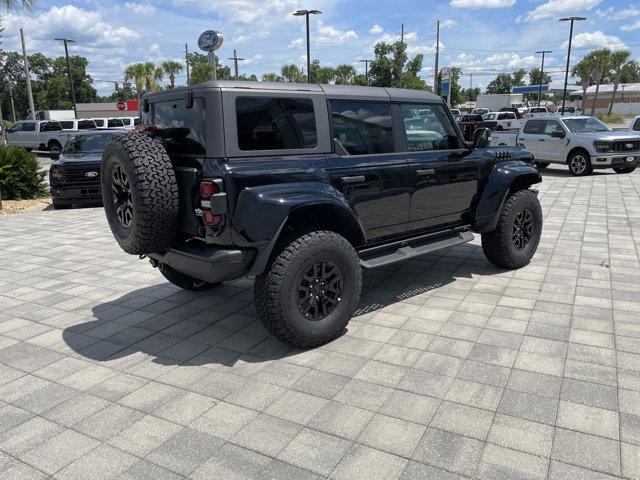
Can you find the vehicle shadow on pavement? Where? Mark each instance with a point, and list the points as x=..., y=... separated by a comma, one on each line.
x=563, y=172
x=129, y=329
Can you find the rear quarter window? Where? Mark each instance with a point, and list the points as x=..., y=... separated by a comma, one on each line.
x=181, y=129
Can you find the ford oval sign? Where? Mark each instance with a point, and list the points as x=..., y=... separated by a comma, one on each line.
x=91, y=174
x=210, y=40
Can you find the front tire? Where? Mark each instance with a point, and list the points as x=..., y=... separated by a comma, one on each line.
x=185, y=281
x=310, y=289
x=580, y=164
x=55, y=147
x=517, y=235
x=624, y=169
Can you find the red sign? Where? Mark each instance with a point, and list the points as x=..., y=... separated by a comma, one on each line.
x=122, y=105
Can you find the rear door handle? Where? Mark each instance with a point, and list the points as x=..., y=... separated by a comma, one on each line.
x=426, y=171
x=353, y=179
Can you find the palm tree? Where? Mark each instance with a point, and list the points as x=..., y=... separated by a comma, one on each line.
x=172, y=68
x=600, y=61
x=584, y=70
x=292, y=73
x=271, y=77
x=13, y=5
x=136, y=72
x=619, y=59
x=345, y=74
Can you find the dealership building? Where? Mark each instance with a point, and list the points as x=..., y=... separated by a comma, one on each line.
x=123, y=108
x=626, y=101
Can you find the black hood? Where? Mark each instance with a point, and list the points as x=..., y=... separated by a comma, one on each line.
x=80, y=158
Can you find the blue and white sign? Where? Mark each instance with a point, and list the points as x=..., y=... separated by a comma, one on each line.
x=210, y=40
x=529, y=89
x=445, y=87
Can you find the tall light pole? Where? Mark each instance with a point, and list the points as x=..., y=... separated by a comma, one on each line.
x=66, y=53
x=306, y=13
x=366, y=69
x=543, y=52
x=566, y=73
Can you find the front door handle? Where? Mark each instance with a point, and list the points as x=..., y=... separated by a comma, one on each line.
x=426, y=171
x=541, y=139
x=353, y=179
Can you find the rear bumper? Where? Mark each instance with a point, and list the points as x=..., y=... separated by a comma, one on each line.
x=207, y=263
x=616, y=160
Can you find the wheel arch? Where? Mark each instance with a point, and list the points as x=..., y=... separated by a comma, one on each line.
x=53, y=141
x=577, y=148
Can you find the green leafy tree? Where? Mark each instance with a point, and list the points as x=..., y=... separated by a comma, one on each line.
x=505, y=81
x=20, y=174
x=202, y=72
x=600, y=62
x=250, y=78
x=345, y=74
x=271, y=77
x=618, y=59
x=630, y=72
x=292, y=73
x=536, y=77
x=320, y=74
x=392, y=68
x=172, y=68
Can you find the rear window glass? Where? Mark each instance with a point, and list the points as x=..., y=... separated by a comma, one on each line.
x=182, y=129
x=275, y=123
x=534, y=126
x=67, y=124
x=115, y=122
x=86, y=124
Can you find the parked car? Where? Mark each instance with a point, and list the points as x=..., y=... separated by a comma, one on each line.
x=455, y=111
x=580, y=142
x=78, y=124
x=569, y=110
x=501, y=120
x=535, y=112
x=468, y=124
x=37, y=134
x=516, y=111
x=74, y=175
x=129, y=122
x=479, y=111
x=304, y=185
x=634, y=126
x=100, y=122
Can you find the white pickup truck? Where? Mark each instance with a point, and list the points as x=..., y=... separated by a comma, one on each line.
x=37, y=134
x=582, y=143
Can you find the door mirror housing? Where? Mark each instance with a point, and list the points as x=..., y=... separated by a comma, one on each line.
x=559, y=134
x=481, y=138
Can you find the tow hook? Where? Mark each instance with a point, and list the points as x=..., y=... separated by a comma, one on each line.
x=142, y=257
x=154, y=263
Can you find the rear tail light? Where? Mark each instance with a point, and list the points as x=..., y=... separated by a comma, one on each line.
x=210, y=219
x=208, y=188
x=213, y=202
x=146, y=128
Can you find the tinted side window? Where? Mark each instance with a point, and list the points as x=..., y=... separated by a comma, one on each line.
x=182, y=129
x=51, y=127
x=432, y=131
x=28, y=127
x=534, y=126
x=16, y=127
x=115, y=122
x=636, y=126
x=362, y=128
x=551, y=126
x=86, y=124
x=275, y=123
x=67, y=124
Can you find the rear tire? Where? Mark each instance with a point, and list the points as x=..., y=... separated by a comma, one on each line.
x=517, y=235
x=55, y=147
x=139, y=193
x=185, y=281
x=310, y=289
x=624, y=169
x=580, y=164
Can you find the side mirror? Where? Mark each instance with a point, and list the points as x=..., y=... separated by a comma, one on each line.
x=559, y=134
x=54, y=156
x=481, y=138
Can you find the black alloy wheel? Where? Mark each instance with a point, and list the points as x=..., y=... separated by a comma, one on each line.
x=121, y=190
x=522, y=229
x=319, y=290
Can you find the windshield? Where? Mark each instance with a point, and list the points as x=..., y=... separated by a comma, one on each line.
x=86, y=144
x=588, y=124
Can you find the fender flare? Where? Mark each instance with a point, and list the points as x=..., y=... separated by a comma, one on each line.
x=505, y=178
x=266, y=209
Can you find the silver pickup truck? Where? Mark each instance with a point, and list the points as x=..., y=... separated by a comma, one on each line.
x=37, y=134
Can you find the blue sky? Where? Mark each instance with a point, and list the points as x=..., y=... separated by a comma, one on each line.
x=483, y=37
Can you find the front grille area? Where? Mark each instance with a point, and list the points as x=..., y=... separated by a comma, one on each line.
x=77, y=174
x=626, y=146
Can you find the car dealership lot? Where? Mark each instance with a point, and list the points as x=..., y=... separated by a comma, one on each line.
x=108, y=371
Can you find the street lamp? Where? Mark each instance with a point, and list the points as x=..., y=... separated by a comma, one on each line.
x=366, y=69
x=543, y=52
x=566, y=73
x=306, y=13
x=66, y=53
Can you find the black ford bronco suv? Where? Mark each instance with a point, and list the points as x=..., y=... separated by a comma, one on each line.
x=302, y=186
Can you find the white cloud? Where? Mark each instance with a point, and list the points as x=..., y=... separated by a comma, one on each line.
x=140, y=8
x=482, y=3
x=613, y=14
x=497, y=61
x=154, y=48
x=297, y=43
x=247, y=37
x=594, y=39
x=448, y=24
x=329, y=35
x=556, y=8
x=376, y=30
x=631, y=26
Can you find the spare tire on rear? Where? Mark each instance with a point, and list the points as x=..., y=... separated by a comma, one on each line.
x=139, y=193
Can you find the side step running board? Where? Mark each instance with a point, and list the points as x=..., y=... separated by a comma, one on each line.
x=409, y=251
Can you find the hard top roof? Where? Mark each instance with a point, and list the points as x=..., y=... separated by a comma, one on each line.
x=346, y=92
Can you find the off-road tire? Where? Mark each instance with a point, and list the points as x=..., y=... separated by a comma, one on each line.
x=54, y=146
x=574, y=170
x=498, y=246
x=276, y=290
x=185, y=281
x=624, y=169
x=153, y=193
x=542, y=165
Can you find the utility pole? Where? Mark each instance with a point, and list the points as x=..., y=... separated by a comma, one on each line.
x=11, y=102
x=236, y=59
x=470, y=88
x=543, y=52
x=186, y=61
x=435, y=71
x=566, y=73
x=73, y=91
x=28, y=77
x=402, y=33
x=366, y=69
